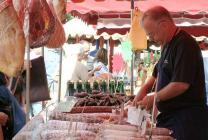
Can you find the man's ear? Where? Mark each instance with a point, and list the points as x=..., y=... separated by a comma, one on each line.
x=165, y=24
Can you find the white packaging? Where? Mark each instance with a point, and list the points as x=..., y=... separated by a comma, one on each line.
x=136, y=115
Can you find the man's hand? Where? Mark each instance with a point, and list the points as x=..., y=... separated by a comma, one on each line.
x=144, y=90
x=136, y=99
x=3, y=118
x=147, y=101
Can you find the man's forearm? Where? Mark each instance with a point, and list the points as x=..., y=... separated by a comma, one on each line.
x=172, y=90
x=146, y=88
x=142, y=93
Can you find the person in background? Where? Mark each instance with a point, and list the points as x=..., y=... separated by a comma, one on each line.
x=101, y=62
x=7, y=99
x=142, y=73
x=87, y=60
x=73, y=69
x=180, y=88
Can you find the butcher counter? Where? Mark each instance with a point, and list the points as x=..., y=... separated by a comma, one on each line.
x=60, y=122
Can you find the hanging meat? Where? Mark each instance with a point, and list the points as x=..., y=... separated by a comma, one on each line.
x=12, y=41
x=45, y=27
x=42, y=23
x=19, y=6
x=57, y=39
x=60, y=9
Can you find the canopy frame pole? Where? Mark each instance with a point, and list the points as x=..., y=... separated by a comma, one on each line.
x=42, y=53
x=60, y=74
x=132, y=56
x=108, y=53
x=27, y=46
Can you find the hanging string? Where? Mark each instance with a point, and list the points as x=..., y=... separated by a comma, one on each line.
x=154, y=106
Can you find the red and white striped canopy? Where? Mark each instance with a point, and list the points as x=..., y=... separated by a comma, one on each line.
x=191, y=15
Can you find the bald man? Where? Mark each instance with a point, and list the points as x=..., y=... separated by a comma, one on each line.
x=180, y=88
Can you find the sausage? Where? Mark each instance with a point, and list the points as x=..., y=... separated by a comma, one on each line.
x=80, y=95
x=158, y=131
x=92, y=109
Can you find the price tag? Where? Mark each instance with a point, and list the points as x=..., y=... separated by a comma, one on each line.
x=133, y=115
x=136, y=116
x=142, y=113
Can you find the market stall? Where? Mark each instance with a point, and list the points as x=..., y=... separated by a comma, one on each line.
x=90, y=122
x=80, y=118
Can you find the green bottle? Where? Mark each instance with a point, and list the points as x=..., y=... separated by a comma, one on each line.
x=79, y=86
x=95, y=85
x=112, y=86
x=118, y=87
x=87, y=87
x=70, y=88
x=103, y=86
x=121, y=86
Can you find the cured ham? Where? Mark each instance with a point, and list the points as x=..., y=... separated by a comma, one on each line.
x=12, y=46
x=60, y=9
x=57, y=38
x=42, y=23
x=19, y=6
x=45, y=28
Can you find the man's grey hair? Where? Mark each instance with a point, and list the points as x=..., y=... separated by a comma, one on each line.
x=157, y=13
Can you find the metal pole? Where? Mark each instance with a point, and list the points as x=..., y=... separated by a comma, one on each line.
x=26, y=31
x=132, y=57
x=132, y=6
x=60, y=74
x=42, y=52
x=108, y=49
x=132, y=73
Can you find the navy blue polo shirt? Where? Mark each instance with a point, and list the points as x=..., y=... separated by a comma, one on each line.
x=181, y=61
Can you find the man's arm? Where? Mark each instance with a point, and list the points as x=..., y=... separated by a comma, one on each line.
x=172, y=90
x=144, y=89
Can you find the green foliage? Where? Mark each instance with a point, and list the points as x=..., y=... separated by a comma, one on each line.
x=126, y=50
x=68, y=17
